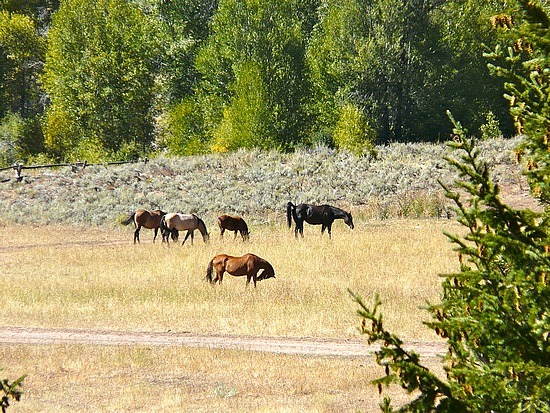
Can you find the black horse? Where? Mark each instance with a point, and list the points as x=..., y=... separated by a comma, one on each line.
x=315, y=215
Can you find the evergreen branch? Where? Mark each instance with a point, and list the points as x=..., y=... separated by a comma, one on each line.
x=400, y=365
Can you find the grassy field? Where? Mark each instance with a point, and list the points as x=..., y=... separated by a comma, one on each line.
x=65, y=276
x=66, y=262
x=96, y=278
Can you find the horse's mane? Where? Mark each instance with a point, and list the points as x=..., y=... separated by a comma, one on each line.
x=339, y=210
x=201, y=222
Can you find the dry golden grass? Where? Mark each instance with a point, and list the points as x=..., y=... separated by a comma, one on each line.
x=139, y=379
x=95, y=278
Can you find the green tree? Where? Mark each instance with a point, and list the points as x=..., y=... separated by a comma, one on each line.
x=21, y=55
x=187, y=24
x=100, y=77
x=183, y=131
x=352, y=132
x=494, y=311
x=266, y=39
x=467, y=88
x=22, y=52
x=246, y=121
x=380, y=56
x=524, y=62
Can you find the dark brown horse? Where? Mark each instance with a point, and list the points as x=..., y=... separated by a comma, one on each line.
x=235, y=224
x=315, y=215
x=174, y=222
x=145, y=219
x=248, y=264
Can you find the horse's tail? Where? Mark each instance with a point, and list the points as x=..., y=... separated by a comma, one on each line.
x=163, y=226
x=245, y=232
x=290, y=208
x=209, y=271
x=129, y=219
x=164, y=231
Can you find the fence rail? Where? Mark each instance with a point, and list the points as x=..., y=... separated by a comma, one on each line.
x=19, y=167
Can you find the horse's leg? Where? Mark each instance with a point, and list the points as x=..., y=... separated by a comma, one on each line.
x=323, y=227
x=235, y=237
x=156, y=233
x=187, y=236
x=136, y=234
x=297, y=229
x=301, y=229
x=220, y=277
x=222, y=230
x=329, y=226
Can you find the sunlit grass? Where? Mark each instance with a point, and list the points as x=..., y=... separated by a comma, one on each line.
x=80, y=378
x=65, y=277
x=62, y=276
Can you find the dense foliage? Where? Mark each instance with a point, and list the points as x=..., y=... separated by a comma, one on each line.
x=494, y=311
x=118, y=79
x=11, y=391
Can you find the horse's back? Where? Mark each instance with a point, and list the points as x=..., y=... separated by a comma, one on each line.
x=147, y=219
x=232, y=222
x=224, y=221
x=314, y=214
x=175, y=220
x=220, y=259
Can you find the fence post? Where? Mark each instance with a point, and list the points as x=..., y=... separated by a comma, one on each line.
x=18, y=167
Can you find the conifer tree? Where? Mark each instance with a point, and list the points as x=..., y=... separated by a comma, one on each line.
x=494, y=311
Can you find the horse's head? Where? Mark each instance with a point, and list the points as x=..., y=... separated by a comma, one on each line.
x=348, y=220
x=202, y=228
x=174, y=234
x=268, y=272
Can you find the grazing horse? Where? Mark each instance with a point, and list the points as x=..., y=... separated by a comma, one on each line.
x=248, y=264
x=233, y=223
x=174, y=222
x=315, y=215
x=146, y=219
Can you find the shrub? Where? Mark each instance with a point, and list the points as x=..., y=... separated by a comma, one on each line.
x=491, y=128
x=11, y=127
x=183, y=135
x=352, y=131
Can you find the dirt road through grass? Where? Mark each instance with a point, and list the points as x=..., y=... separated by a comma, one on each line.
x=284, y=345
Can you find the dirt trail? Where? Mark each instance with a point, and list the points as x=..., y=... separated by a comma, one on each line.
x=283, y=345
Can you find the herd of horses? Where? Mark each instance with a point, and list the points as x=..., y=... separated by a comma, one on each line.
x=170, y=225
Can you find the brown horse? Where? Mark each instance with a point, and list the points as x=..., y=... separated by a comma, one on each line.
x=248, y=264
x=235, y=224
x=174, y=222
x=146, y=219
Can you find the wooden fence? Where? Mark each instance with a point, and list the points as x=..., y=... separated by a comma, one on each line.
x=19, y=167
